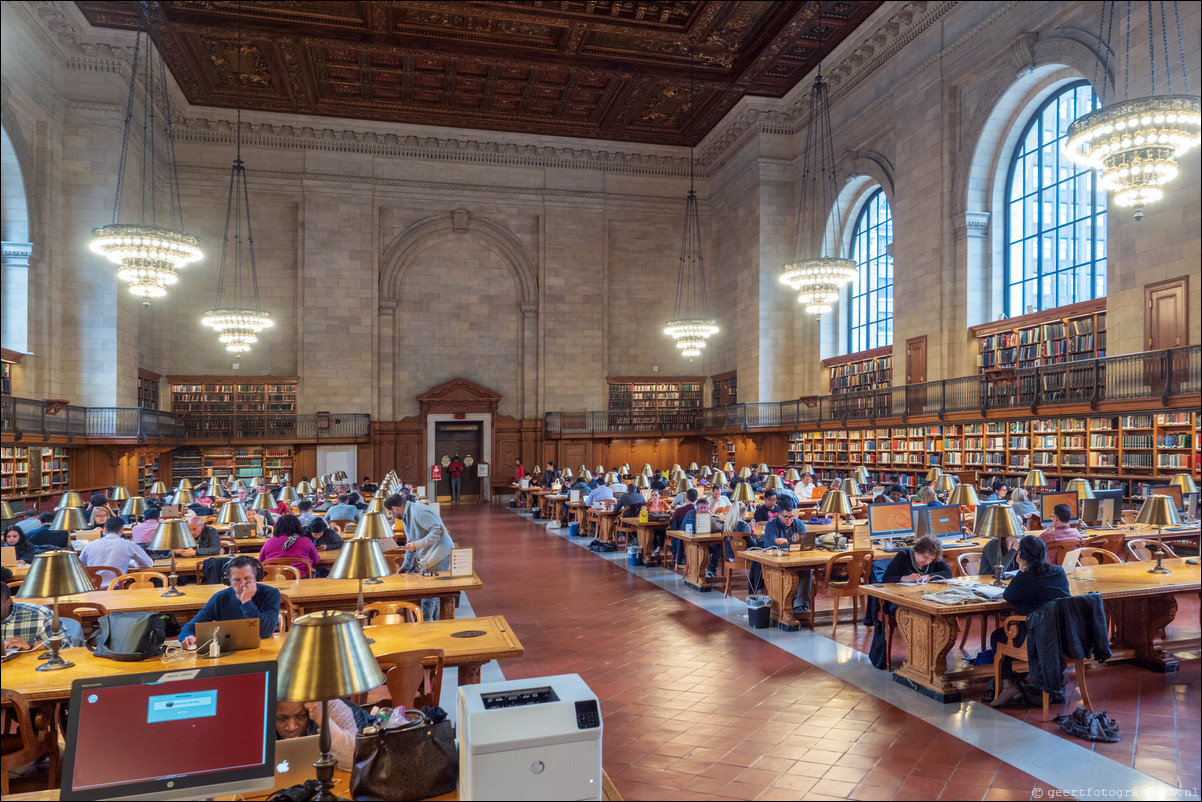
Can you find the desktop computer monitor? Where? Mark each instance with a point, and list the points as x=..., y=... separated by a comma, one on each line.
x=1049, y=501
x=890, y=520
x=918, y=518
x=944, y=521
x=1105, y=506
x=1172, y=491
x=188, y=733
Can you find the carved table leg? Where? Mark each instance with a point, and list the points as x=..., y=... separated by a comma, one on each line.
x=928, y=640
x=446, y=606
x=1139, y=623
x=696, y=558
x=605, y=529
x=647, y=543
x=469, y=673
x=782, y=587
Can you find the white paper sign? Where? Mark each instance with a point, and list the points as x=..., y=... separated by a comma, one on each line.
x=421, y=491
x=574, y=497
x=703, y=523
x=482, y=470
x=525, y=483
x=461, y=562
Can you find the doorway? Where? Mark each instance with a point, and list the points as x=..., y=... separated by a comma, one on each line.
x=465, y=438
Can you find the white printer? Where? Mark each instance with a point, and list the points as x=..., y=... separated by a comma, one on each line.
x=530, y=739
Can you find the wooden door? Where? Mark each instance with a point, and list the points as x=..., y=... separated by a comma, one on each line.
x=1165, y=324
x=916, y=360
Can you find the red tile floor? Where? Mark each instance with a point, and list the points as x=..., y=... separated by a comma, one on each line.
x=698, y=708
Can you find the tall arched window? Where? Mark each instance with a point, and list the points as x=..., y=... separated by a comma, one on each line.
x=1056, y=220
x=870, y=317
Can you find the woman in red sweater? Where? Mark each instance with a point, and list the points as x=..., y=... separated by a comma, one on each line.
x=288, y=540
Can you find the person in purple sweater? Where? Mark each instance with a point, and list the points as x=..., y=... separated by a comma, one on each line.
x=288, y=540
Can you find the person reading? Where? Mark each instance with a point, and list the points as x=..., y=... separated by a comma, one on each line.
x=244, y=598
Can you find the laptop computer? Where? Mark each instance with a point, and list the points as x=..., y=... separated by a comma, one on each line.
x=294, y=759
x=169, y=511
x=244, y=531
x=232, y=636
x=388, y=544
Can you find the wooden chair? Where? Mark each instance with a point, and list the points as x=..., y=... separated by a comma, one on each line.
x=280, y=572
x=408, y=611
x=287, y=613
x=1032, y=522
x=858, y=565
x=139, y=579
x=97, y=573
x=969, y=563
x=625, y=531
x=738, y=545
x=1112, y=542
x=75, y=610
x=395, y=559
x=1019, y=655
x=1145, y=550
x=229, y=546
x=1088, y=555
x=36, y=736
x=292, y=562
x=413, y=678
x=1056, y=552
x=1129, y=516
x=341, y=524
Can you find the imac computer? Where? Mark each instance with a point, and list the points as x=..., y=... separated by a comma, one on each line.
x=944, y=523
x=1048, y=502
x=187, y=733
x=1106, y=506
x=889, y=521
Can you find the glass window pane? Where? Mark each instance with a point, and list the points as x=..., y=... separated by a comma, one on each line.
x=870, y=324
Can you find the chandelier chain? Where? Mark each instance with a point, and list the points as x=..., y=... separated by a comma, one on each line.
x=176, y=195
x=129, y=118
x=1181, y=45
x=1127, y=60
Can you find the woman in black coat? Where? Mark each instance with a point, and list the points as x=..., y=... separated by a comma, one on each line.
x=15, y=536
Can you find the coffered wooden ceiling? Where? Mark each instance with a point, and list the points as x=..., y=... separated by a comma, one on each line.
x=583, y=68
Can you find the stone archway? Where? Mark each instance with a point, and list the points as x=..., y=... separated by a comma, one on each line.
x=399, y=259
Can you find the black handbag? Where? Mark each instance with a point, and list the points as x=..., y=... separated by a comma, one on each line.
x=131, y=637
x=415, y=761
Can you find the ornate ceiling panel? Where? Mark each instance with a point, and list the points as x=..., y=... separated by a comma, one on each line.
x=584, y=68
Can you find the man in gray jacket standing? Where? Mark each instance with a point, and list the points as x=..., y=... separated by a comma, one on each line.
x=426, y=539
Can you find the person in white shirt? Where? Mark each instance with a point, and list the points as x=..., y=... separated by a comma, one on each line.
x=598, y=494
x=719, y=503
x=805, y=488
x=618, y=489
x=114, y=550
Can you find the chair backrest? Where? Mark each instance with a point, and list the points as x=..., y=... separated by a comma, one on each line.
x=101, y=574
x=1056, y=552
x=738, y=546
x=281, y=572
x=139, y=579
x=395, y=559
x=287, y=612
x=230, y=545
x=1112, y=542
x=414, y=678
x=969, y=562
x=1146, y=549
x=340, y=523
x=36, y=733
x=1032, y=522
x=856, y=563
x=295, y=562
x=1088, y=555
x=407, y=610
x=1129, y=516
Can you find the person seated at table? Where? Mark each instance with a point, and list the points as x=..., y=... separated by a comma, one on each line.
x=929, y=497
x=580, y=485
x=208, y=539
x=618, y=488
x=323, y=535
x=243, y=497
x=734, y=526
x=892, y=495
x=288, y=541
x=786, y=498
x=630, y=504
x=26, y=626
x=260, y=519
x=24, y=550
x=1022, y=504
x=658, y=482
x=34, y=522
x=343, y=510
x=1060, y=533
x=779, y=534
x=919, y=564
x=1000, y=491
x=805, y=488
x=144, y=532
x=356, y=500
x=768, y=510
x=97, y=501
x=368, y=486
x=1037, y=583
x=688, y=523
x=718, y=502
x=244, y=598
x=429, y=544
x=100, y=517
x=600, y=493
x=305, y=512
x=657, y=503
x=115, y=550
x=347, y=720
x=281, y=507
x=1004, y=550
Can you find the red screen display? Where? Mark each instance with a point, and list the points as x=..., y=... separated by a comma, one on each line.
x=135, y=733
x=889, y=517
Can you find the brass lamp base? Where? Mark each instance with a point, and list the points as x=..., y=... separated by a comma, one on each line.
x=998, y=570
x=373, y=581
x=54, y=661
x=172, y=590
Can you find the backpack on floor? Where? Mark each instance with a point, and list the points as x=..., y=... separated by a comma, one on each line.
x=601, y=546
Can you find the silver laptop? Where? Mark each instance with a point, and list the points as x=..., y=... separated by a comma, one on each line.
x=294, y=759
x=232, y=636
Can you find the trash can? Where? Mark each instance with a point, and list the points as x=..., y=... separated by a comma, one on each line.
x=634, y=555
x=759, y=612
x=574, y=529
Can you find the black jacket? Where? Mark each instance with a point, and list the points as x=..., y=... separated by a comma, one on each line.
x=1074, y=627
x=901, y=565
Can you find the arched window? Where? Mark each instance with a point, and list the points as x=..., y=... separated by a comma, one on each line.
x=870, y=317
x=1056, y=215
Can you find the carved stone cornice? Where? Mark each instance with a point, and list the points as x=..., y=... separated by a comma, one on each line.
x=975, y=226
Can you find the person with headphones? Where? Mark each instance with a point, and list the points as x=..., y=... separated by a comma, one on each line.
x=244, y=598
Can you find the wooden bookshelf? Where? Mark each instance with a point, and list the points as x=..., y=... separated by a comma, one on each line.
x=148, y=473
x=1054, y=336
x=186, y=463
x=725, y=389
x=652, y=401
x=244, y=462
x=148, y=389
x=233, y=395
x=1114, y=452
x=861, y=371
x=33, y=470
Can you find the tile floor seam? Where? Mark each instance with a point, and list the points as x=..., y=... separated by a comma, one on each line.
x=1043, y=760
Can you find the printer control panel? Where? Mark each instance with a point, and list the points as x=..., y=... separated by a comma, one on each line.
x=588, y=715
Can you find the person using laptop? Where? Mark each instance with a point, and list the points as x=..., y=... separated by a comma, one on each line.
x=1061, y=533
x=302, y=719
x=23, y=549
x=244, y=598
x=26, y=626
x=144, y=532
x=805, y=488
x=114, y=550
x=778, y=534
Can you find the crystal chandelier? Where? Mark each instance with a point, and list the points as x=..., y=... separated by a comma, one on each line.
x=691, y=324
x=1135, y=143
x=816, y=275
x=148, y=255
x=237, y=323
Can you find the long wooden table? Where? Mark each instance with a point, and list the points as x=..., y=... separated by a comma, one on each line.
x=1139, y=604
x=496, y=641
x=306, y=594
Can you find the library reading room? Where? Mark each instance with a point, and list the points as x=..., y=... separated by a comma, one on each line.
x=834, y=366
